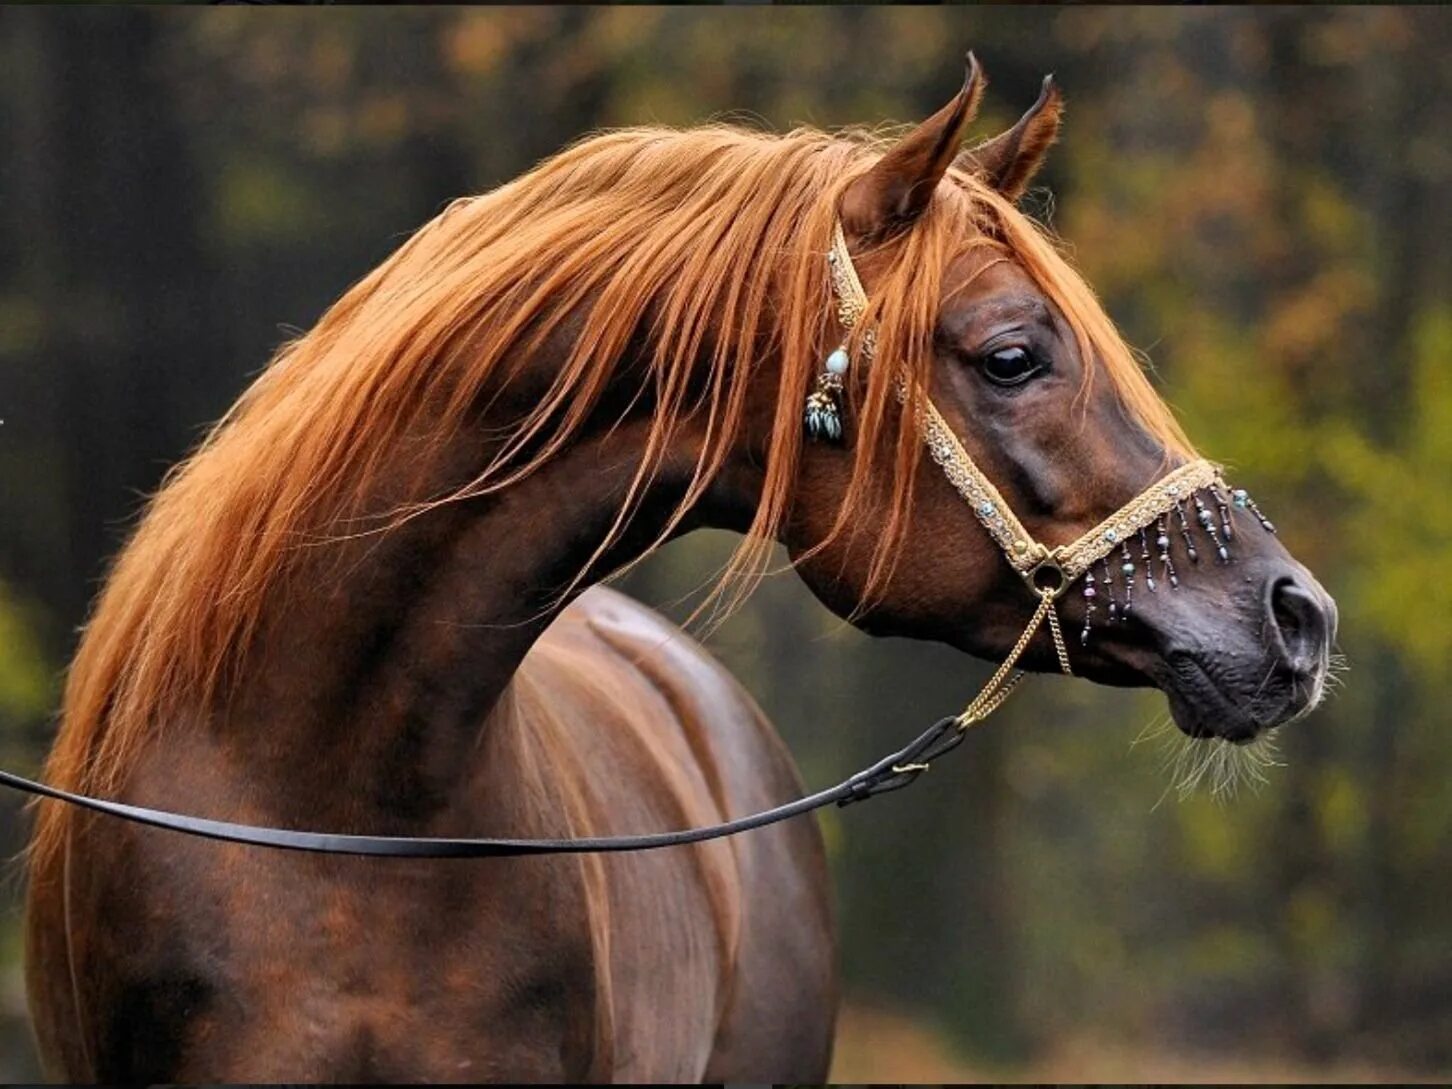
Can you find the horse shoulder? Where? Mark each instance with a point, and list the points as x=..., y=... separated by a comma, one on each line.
x=708, y=754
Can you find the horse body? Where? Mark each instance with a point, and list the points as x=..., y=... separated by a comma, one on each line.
x=708, y=962
x=336, y=615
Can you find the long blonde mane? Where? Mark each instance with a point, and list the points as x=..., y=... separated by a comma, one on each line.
x=709, y=241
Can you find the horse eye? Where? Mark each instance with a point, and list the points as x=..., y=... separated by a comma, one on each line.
x=1010, y=366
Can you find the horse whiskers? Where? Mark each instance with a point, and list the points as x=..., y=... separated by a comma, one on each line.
x=1336, y=669
x=1214, y=765
x=1221, y=767
x=1153, y=729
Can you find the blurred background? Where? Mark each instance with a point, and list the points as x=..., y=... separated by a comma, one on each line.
x=1261, y=196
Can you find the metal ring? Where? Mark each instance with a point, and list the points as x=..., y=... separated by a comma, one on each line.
x=1047, y=567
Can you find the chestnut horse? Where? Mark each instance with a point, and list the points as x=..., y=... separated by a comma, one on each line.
x=360, y=606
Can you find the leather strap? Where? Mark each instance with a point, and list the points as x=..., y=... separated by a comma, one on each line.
x=892, y=772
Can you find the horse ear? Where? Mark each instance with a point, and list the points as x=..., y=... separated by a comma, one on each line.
x=897, y=189
x=1009, y=161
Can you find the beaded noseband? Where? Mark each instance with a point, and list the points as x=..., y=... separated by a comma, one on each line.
x=1049, y=572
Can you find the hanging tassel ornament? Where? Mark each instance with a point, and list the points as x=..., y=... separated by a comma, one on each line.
x=1242, y=500
x=823, y=416
x=1090, y=593
x=1162, y=542
x=1127, y=570
x=1174, y=512
x=1207, y=523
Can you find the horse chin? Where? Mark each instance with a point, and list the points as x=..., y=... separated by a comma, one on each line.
x=1203, y=708
x=1206, y=719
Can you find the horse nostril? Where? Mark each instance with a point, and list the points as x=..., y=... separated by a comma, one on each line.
x=1301, y=624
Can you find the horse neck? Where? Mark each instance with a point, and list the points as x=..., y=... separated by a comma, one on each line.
x=388, y=663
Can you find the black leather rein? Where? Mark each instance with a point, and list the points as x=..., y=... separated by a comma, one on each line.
x=892, y=772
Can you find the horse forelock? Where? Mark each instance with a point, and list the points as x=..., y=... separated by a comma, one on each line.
x=712, y=239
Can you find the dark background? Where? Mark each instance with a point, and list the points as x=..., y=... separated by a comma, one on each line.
x=1262, y=197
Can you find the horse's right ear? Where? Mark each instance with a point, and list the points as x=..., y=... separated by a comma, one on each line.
x=1009, y=161
x=896, y=190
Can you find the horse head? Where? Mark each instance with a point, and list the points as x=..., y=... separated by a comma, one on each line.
x=975, y=313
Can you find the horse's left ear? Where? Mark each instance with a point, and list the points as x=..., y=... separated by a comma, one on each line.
x=896, y=190
x=1010, y=160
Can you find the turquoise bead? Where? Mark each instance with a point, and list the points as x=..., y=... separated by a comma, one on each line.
x=837, y=362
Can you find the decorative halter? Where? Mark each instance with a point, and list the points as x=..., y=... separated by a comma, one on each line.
x=1048, y=572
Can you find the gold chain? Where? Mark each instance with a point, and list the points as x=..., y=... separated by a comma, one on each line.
x=1056, y=632
x=1005, y=678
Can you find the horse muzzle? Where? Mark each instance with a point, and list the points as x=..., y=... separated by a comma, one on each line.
x=1280, y=676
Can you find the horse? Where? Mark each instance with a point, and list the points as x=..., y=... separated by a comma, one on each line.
x=368, y=602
